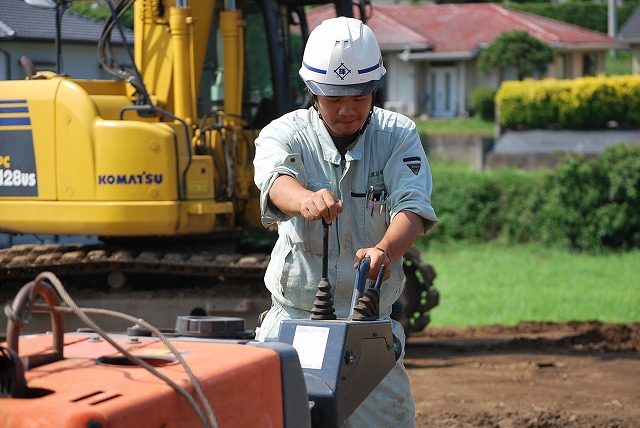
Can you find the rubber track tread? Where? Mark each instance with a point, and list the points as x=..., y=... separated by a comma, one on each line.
x=25, y=261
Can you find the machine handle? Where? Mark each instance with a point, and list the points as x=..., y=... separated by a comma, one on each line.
x=22, y=306
x=360, y=282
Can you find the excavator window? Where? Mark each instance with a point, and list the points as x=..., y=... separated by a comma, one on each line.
x=211, y=96
x=258, y=78
x=272, y=55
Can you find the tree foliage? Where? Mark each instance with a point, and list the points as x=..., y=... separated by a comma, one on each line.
x=101, y=13
x=528, y=55
x=587, y=14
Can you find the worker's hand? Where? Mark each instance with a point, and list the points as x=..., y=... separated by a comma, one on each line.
x=378, y=258
x=322, y=204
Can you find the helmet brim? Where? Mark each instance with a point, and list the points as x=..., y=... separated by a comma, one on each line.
x=328, y=90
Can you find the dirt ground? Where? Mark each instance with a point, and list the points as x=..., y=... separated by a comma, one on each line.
x=573, y=374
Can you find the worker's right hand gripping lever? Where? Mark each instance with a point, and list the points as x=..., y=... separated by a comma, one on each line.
x=368, y=306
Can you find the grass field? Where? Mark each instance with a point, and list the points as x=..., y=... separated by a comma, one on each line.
x=618, y=65
x=483, y=284
x=460, y=125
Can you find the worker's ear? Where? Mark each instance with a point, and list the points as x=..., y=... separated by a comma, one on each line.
x=312, y=99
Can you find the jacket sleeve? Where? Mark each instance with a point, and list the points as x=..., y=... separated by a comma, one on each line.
x=409, y=174
x=275, y=156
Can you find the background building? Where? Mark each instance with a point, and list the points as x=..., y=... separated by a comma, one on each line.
x=26, y=30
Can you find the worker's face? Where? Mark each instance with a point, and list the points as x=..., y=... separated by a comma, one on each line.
x=344, y=115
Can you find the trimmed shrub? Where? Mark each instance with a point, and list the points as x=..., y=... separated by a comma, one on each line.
x=583, y=103
x=483, y=103
x=531, y=103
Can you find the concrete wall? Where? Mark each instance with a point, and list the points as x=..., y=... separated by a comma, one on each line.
x=485, y=152
x=527, y=161
x=470, y=149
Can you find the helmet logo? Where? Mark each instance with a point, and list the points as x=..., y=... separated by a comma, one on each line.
x=342, y=71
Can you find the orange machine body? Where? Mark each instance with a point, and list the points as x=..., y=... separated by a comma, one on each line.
x=91, y=387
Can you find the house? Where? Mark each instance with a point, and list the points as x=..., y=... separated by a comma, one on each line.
x=431, y=51
x=30, y=31
x=630, y=33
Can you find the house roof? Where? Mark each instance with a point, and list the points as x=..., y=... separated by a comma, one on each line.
x=462, y=29
x=20, y=21
x=630, y=31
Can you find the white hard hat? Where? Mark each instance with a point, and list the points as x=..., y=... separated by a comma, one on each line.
x=342, y=58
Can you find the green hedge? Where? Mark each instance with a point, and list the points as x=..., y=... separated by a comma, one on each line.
x=582, y=103
x=583, y=204
x=466, y=205
x=594, y=204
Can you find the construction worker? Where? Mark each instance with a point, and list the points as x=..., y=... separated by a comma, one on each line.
x=358, y=167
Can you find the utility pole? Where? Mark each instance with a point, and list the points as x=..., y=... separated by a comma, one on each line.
x=612, y=23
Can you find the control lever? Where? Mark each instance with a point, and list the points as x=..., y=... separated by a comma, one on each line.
x=323, y=305
x=368, y=306
x=360, y=283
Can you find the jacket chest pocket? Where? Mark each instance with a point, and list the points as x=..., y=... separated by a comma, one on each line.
x=370, y=212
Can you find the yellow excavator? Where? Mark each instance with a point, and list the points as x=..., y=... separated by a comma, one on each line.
x=157, y=163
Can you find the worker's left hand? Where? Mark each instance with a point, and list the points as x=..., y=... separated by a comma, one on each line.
x=378, y=258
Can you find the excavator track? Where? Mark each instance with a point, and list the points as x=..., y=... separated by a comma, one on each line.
x=158, y=286
x=154, y=285
x=27, y=260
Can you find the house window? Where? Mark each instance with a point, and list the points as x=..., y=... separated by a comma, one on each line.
x=589, y=63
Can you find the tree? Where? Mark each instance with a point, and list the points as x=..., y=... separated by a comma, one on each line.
x=101, y=12
x=518, y=49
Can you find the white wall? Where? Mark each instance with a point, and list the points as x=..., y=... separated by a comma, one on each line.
x=635, y=52
x=400, y=86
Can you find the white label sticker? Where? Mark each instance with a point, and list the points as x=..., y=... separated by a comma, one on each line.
x=311, y=342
